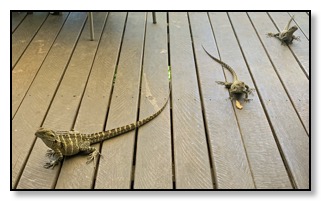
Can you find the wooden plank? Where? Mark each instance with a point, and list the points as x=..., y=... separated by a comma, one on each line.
x=75, y=173
x=115, y=168
x=303, y=22
x=291, y=75
x=289, y=132
x=231, y=168
x=16, y=19
x=24, y=34
x=267, y=167
x=34, y=107
x=32, y=59
x=64, y=106
x=192, y=165
x=153, y=167
x=300, y=48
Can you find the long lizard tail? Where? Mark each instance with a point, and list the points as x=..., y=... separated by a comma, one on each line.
x=104, y=135
x=223, y=64
x=288, y=25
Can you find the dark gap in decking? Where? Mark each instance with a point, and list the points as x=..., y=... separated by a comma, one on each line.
x=110, y=95
x=115, y=71
x=89, y=74
x=202, y=104
x=171, y=104
x=49, y=106
x=40, y=64
x=99, y=156
x=237, y=120
x=54, y=95
x=268, y=117
x=291, y=178
x=296, y=58
x=138, y=103
x=278, y=75
x=212, y=162
x=85, y=87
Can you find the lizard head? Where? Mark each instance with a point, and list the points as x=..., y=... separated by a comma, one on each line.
x=238, y=87
x=46, y=134
x=293, y=29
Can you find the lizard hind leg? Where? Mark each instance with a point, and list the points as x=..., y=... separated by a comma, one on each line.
x=93, y=152
x=55, y=162
x=93, y=156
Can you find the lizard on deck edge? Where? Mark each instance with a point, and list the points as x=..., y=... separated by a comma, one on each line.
x=67, y=143
x=286, y=36
x=236, y=87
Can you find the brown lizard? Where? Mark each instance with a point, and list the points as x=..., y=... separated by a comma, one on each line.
x=237, y=87
x=286, y=36
x=67, y=143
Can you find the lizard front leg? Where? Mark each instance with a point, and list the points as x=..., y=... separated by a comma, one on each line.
x=246, y=99
x=226, y=84
x=272, y=35
x=249, y=90
x=296, y=38
x=50, y=153
x=55, y=162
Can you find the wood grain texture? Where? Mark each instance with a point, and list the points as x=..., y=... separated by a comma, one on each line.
x=30, y=62
x=75, y=173
x=288, y=129
x=34, y=107
x=153, y=167
x=22, y=36
x=299, y=48
x=115, y=168
x=191, y=157
x=291, y=75
x=267, y=167
x=231, y=168
x=16, y=19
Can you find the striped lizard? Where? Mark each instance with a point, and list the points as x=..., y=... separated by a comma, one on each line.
x=236, y=87
x=67, y=143
x=286, y=36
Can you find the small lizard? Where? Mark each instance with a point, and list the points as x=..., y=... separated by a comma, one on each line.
x=236, y=87
x=286, y=36
x=67, y=143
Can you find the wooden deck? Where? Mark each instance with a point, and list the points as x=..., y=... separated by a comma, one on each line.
x=62, y=80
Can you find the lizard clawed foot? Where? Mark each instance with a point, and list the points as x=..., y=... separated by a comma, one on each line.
x=92, y=156
x=51, y=164
x=250, y=91
x=50, y=153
